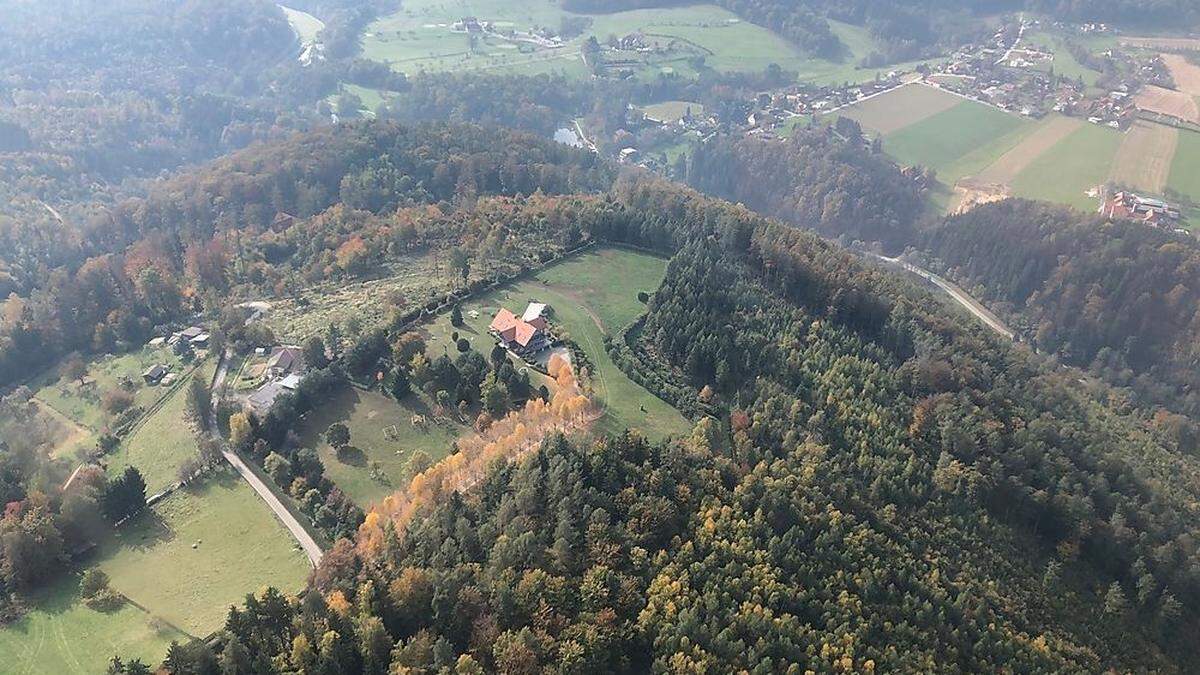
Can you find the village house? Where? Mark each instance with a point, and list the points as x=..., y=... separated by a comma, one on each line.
x=285, y=360
x=1130, y=206
x=154, y=374
x=525, y=335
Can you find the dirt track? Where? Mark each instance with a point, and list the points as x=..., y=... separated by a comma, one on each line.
x=1144, y=159
x=1005, y=169
x=1168, y=102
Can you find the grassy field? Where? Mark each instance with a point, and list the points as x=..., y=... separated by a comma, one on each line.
x=163, y=441
x=1185, y=169
x=62, y=635
x=592, y=295
x=946, y=138
x=1144, y=160
x=901, y=107
x=672, y=111
x=1065, y=172
x=382, y=430
x=81, y=403
x=201, y=550
x=1064, y=63
x=306, y=25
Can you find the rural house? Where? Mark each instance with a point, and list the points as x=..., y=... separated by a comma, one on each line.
x=525, y=335
x=285, y=360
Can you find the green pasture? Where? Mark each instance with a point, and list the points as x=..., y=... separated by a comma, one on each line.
x=383, y=437
x=163, y=441
x=592, y=295
x=62, y=635
x=1076, y=164
x=81, y=402
x=1185, y=169
x=947, y=138
x=201, y=550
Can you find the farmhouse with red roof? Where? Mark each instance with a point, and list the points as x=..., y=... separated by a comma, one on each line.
x=524, y=335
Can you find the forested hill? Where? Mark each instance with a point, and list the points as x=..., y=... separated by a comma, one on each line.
x=95, y=92
x=1119, y=298
x=104, y=284
x=814, y=180
x=882, y=487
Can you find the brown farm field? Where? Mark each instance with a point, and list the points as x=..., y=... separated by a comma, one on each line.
x=1162, y=43
x=1168, y=102
x=1145, y=157
x=900, y=107
x=1185, y=73
x=1013, y=162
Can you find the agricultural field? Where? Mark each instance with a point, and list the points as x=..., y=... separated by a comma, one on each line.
x=200, y=550
x=900, y=108
x=384, y=436
x=1169, y=102
x=419, y=38
x=162, y=441
x=1145, y=158
x=1185, y=73
x=1185, y=169
x=1068, y=171
x=61, y=634
x=947, y=137
x=592, y=295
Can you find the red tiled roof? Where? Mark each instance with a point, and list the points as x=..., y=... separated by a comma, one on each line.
x=524, y=333
x=504, y=320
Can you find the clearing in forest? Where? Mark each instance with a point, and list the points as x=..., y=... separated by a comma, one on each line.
x=900, y=107
x=1145, y=157
x=591, y=295
x=1168, y=102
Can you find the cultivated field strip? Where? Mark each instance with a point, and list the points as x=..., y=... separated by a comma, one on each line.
x=1005, y=169
x=1145, y=157
x=1185, y=73
x=900, y=108
x=1169, y=102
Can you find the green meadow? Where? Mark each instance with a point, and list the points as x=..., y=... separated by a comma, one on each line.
x=1066, y=172
x=945, y=139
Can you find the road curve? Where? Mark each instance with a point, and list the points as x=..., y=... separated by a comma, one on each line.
x=301, y=535
x=960, y=296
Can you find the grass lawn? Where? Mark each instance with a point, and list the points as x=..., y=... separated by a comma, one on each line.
x=240, y=548
x=946, y=138
x=1076, y=164
x=1064, y=63
x=672, y=111
x=62, y=635
x=382, y=430
x=82, y=403
x=159, y=446
x=899, y=108
x=1185, y=170
x=592, y=295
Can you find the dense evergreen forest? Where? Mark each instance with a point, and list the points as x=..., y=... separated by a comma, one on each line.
x=813, y=180
x=1119, y=298
x=882, y=486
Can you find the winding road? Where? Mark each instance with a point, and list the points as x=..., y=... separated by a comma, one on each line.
x=301, y=535
x=960, y=296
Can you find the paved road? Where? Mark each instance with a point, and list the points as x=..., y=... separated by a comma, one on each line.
x=301, y=535
x=960, y=296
